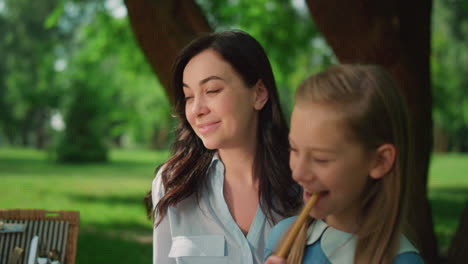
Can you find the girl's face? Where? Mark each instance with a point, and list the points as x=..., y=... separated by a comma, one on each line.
x=220, y=108
x=325, y=159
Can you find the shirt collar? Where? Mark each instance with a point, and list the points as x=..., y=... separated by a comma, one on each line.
x=339, y=246
x=214, y=159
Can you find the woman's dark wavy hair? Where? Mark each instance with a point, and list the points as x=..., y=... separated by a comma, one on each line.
x=185, y=173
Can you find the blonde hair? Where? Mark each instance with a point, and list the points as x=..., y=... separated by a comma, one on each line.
x=375, y=113
x=296, y=253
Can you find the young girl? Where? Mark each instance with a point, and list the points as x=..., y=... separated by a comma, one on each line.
x=227, y=181
x=349, y=143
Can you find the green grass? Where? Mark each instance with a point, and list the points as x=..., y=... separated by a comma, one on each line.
x=448, y=194
x=113, y=227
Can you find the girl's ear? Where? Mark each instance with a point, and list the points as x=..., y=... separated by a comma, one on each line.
x=261, y=95
x=384, y=160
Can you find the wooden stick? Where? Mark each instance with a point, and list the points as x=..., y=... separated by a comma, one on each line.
x=286, y=246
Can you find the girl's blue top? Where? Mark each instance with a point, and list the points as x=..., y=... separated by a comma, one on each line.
x=328, y=245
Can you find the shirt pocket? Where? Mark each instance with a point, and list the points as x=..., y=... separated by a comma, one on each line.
x=208, y=249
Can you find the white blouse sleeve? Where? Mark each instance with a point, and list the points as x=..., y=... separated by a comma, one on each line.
x=162, y=239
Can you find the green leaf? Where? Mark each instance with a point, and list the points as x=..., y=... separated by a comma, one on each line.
x=52, y=19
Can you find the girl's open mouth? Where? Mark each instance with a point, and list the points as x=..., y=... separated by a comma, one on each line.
x=308, y=194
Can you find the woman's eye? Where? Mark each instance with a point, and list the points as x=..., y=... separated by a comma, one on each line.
x=213, y=91
x=187, y=98
x=322, y=160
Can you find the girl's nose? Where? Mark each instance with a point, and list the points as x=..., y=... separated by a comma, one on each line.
x=301, y=170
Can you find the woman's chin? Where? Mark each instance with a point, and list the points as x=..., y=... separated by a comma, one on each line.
x=210, y=144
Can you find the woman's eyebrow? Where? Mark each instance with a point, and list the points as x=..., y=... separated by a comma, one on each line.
x=207, y=79
x=213, y=77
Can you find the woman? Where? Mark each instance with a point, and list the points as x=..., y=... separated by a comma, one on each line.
x=227, y=181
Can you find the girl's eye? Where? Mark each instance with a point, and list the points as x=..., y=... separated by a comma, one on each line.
x=321, y=160
x=187, y=98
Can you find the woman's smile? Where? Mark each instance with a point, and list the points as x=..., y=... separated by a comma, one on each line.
x=208, y=127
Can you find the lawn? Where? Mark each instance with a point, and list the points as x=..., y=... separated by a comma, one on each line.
x=448, y=194
x=113, y=227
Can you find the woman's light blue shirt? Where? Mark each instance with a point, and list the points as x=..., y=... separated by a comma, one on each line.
x=331, y=246
x=206, y=232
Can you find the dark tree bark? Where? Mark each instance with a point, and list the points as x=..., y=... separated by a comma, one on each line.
x=162, y=29
x=395, y=34
x=458, y=252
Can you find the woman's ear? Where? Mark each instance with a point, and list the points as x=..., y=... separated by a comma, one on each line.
x=384, y=161
x=261, y=95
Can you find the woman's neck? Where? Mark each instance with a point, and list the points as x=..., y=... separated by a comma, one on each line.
x=238, y=164
x=240, y=188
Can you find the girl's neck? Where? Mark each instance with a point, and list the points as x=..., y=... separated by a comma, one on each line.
x=238, y=164
x=346, y=221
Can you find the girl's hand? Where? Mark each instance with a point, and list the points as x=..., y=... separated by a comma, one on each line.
x=275, y=260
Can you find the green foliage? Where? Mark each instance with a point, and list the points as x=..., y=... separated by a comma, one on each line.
x=449, y=63
x=84, y=136
x=109, y=57
x=72, y=45
x=49, y=48
x=81, y=45
x=27, y=87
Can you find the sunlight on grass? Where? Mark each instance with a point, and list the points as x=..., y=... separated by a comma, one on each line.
x=448, y=170
x=448, y=194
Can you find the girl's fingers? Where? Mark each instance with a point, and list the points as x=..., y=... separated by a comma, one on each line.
x=275, y=260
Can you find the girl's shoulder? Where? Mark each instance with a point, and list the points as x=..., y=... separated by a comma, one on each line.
x=278, y=230
x=408, y=258
x=407, y=253
x=283, y=225
x=275, y=234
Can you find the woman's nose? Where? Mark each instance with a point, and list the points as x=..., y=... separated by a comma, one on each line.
x=199, y=106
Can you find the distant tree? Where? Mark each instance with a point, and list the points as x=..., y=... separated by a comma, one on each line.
x=140, y=112
x=450, y=79
x=450, y=75
x=85, y=133
x=28, y=91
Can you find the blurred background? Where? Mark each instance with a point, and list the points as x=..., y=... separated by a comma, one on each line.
x=84, y=119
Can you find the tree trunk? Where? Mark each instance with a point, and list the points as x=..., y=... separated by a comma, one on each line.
x=162, y=29
x=396, y=35
x=25, y=127
x=40, y=127
x=458, y=252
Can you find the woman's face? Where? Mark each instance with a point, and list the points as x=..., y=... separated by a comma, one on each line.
x=325, y=160
x=220, y=108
